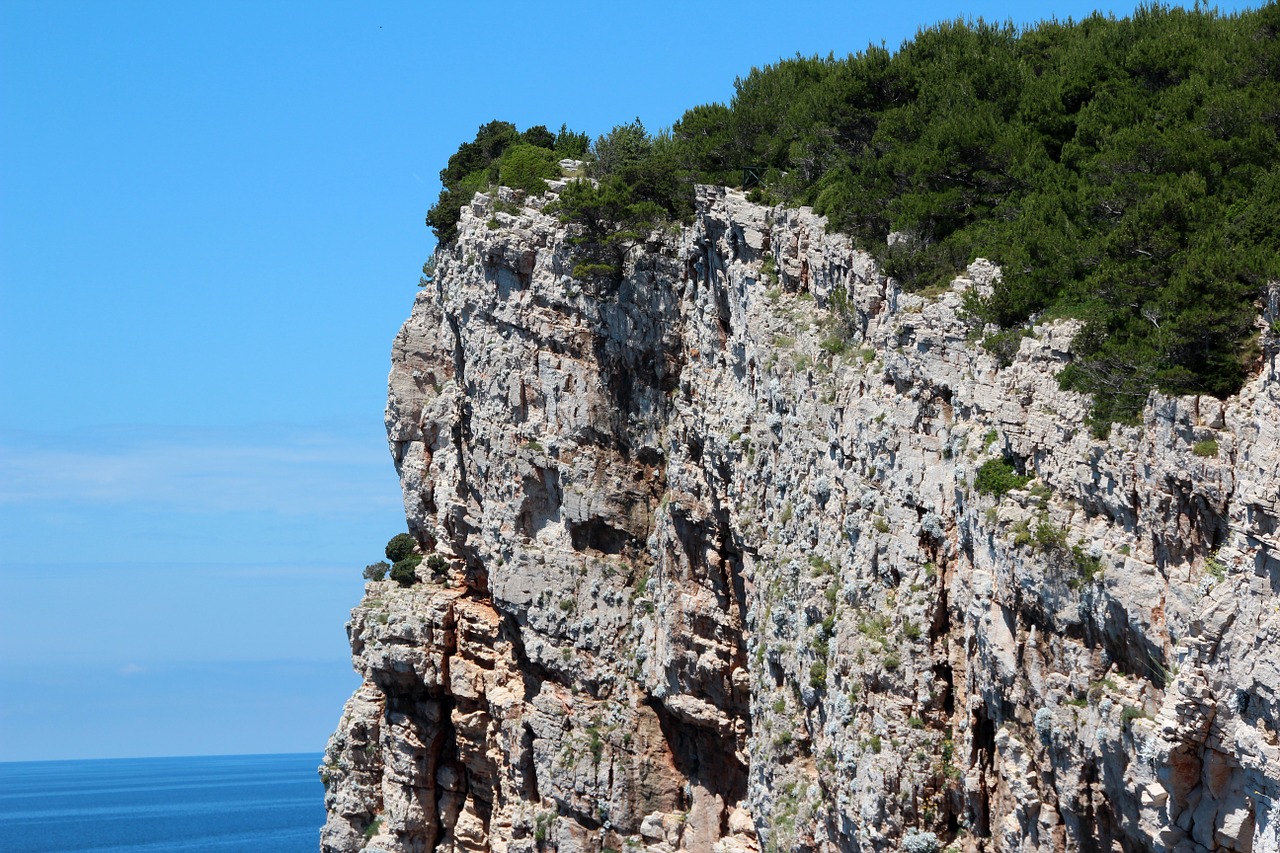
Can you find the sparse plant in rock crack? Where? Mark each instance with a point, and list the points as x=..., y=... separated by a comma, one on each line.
x=1041, y=492
x=1131, y=713
x=769, y=269
x=1049, y=537
x=1088, y=565
x=596, y=743
x=1214, y=567
x=376, y=571
x=428, y=272
x=818, y=674
x=542, y=823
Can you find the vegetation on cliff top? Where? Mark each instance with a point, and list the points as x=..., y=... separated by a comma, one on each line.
x=1125, y=172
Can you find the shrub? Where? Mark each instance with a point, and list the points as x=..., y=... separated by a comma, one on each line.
x=818, y=674
x=769, y=269
x=1050, y=537
x=820, y=565
x=834, y=345
x=997, y=476
x=437, y=564
x=527, y=167
x=1003, y=345
x=597, y=744
x=1214, y=567
x=376, y=571
x=1131, y=713
x=1205, y=449
x=541, y=824
x=1087, y=565
x=874, y=627
x=404, y=572
x=500, y=153
x=400, y=546
x=1021, y=533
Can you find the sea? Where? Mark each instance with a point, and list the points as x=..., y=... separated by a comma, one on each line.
x=208, y=804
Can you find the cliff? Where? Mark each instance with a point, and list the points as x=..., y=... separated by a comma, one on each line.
x=718, y=576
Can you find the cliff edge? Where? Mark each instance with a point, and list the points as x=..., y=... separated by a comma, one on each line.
x=746, y=549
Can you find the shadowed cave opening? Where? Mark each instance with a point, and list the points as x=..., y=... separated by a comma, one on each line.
x=595, y=535
x=703, y=755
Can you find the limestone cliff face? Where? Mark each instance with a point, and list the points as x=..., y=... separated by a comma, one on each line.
x=719, y=578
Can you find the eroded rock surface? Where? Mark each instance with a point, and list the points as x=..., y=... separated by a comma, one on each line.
x=719, y=579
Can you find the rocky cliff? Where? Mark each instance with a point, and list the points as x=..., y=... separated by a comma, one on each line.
x=717, y=576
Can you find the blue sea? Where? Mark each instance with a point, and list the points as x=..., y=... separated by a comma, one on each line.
x=211, y=804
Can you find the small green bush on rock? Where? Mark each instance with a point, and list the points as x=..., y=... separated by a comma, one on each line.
x=997, y=476
x=400, y=546
x=376, y=571
x=437, y=564
x=404, y=572
x=527, y=167
x=818, y=675
x=1205, y=449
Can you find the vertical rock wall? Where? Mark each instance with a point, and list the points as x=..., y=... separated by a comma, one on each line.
x=717, y=576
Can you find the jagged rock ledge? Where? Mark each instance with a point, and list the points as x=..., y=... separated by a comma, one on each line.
x=720, y=580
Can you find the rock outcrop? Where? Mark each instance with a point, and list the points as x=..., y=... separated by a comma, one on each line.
x=717, y=577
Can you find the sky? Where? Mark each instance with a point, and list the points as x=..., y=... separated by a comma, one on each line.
x=211, y=227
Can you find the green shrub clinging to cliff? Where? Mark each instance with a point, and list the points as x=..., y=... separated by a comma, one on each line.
x=404, y=572
x=400, y=551
x=500, y=154
x=400, y=546
x=997, y=476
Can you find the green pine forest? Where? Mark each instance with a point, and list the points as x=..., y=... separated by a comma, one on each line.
x=1125, y=172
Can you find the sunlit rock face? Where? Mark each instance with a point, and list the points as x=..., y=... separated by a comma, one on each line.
x=715, y=574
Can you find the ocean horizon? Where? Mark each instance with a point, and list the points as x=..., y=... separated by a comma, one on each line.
x=188, y=804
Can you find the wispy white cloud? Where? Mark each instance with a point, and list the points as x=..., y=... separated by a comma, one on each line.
x=273, y=471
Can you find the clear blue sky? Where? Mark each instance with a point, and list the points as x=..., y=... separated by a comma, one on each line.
x=210, y=230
